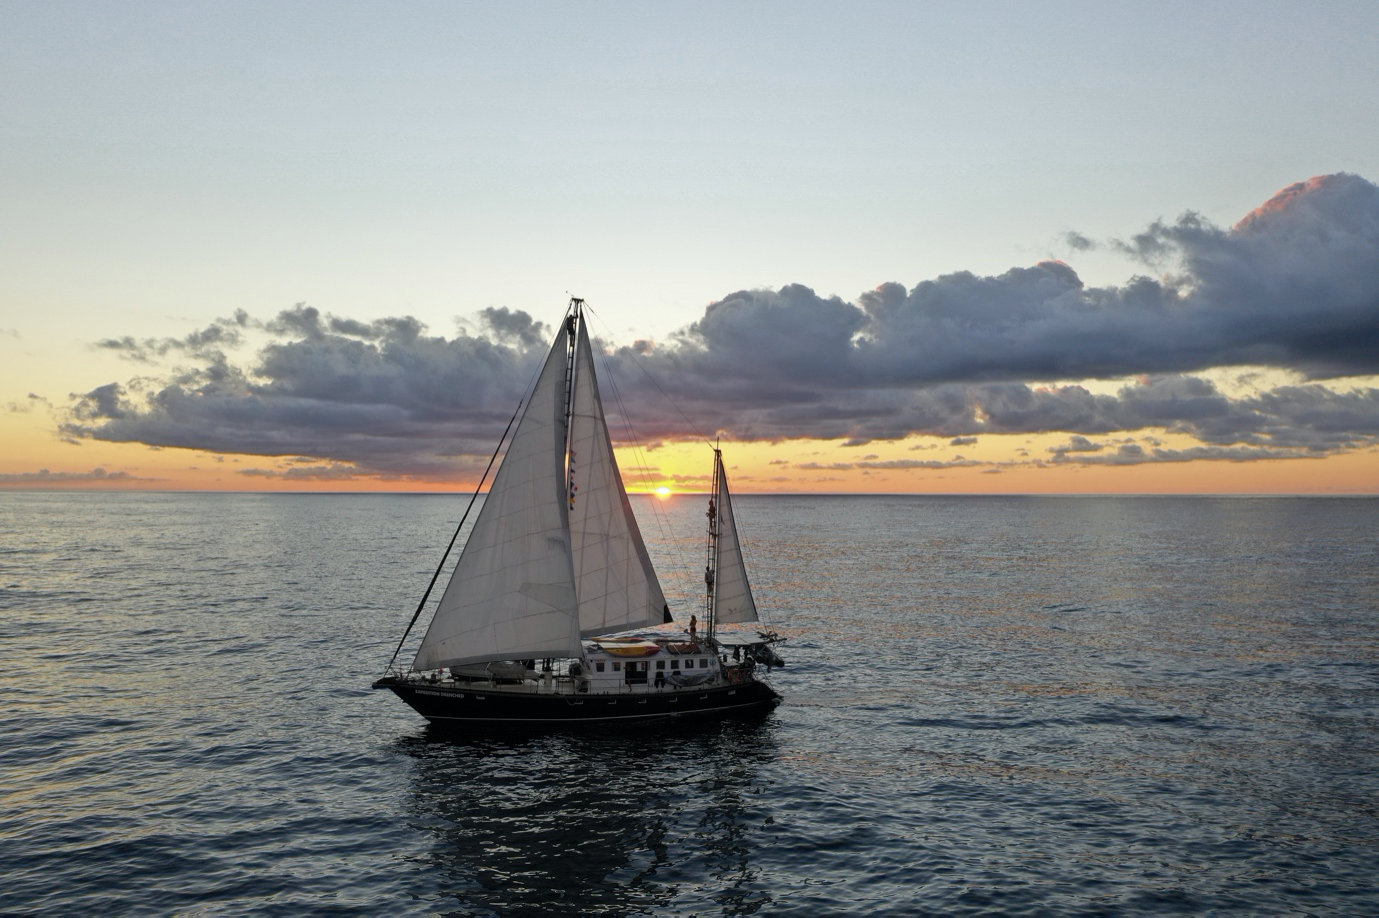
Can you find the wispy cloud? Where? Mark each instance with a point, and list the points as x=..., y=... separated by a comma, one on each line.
x=1077, y=444
x=46, y=477
x=29, y=404
x=1293, y=286
x=207, y=343
x=1078, y=242
x=333, y=472
x=1134, y=454
x=957, y=462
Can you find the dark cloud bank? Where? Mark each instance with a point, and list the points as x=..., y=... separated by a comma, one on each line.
x=1295, y=285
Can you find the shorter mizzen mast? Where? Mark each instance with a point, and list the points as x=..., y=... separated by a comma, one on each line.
x=711, y=562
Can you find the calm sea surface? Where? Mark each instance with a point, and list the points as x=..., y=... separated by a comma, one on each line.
x=996, y=704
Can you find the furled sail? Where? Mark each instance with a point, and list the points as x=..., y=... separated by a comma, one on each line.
x=733, y=603
x=614, y=580
x=512, y=595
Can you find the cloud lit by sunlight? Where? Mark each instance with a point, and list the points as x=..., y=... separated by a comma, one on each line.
x=1259, y=342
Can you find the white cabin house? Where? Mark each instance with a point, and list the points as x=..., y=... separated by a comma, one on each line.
x=654, y=668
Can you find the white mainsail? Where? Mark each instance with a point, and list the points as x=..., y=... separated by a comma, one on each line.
x=614, y=580
x=733, y=603
x=512, y=595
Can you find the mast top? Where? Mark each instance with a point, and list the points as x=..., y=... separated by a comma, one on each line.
x=576, y=310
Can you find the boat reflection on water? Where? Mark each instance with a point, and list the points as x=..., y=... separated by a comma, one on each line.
x=595, y=821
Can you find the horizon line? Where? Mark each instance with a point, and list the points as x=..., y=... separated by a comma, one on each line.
x=78, y=488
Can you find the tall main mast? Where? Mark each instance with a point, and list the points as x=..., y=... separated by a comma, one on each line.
x=711, y=562
x=572, y=320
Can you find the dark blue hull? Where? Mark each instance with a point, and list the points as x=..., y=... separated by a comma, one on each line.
x=457, y=703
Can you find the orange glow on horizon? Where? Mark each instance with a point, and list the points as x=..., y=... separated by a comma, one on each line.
x=919, y=465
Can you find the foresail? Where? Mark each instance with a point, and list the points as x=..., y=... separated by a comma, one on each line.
x=614, y=579
x=512, y=595
x=733, y=603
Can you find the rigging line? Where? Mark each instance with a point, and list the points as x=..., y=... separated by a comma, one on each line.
x=627, y=423
x=658, y=512
x=697, y=432
x=685, y=585
x=662, y=517
x=611, y=379
x=626, y=418
x=439, y=567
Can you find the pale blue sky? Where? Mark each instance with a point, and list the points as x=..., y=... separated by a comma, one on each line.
x=165, y=165
x=161, y=164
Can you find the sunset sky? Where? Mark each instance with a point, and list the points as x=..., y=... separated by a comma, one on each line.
x=929, y=248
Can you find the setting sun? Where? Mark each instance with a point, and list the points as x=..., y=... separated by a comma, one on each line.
x=663, y=491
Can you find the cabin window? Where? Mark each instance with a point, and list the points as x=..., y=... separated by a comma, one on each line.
x=674, y=664
x=599, y=666
x=617, y=666
x=704, y=664
x=660, y=664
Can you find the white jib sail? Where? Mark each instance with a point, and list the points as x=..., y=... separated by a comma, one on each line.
x=512, y=595
x=614, y=579
x=733, y=603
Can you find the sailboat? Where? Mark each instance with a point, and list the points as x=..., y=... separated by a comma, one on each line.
x=554, y=613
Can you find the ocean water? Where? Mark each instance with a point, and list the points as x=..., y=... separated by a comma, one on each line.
x=1015, y=705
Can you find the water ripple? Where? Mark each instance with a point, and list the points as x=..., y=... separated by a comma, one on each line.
x=1022, y=705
